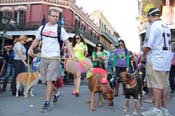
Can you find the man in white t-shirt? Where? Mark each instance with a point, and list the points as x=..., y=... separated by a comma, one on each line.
x=157, y=48
x=50, y=51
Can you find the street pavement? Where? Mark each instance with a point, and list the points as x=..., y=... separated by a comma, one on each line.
x=67, y=105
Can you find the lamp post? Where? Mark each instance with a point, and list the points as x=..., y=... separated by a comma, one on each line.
x=3, y=41
x=4, y=34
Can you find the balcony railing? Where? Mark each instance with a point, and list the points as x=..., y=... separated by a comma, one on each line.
x=108, y=36
x=34, y=26
x=63, y=2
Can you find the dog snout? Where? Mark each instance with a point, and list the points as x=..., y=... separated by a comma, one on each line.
x=110, y=103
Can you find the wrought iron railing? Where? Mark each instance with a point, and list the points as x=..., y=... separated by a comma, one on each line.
x=35, y=25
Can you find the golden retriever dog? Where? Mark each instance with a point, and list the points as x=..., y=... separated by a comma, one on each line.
x=132, y=87
x=97, y=83
x=27, y=79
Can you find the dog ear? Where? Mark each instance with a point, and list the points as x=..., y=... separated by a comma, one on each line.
x=128, y=75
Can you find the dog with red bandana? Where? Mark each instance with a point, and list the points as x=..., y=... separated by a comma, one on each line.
x=98, y=83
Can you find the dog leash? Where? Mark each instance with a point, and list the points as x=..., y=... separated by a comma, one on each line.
x=29, y=70
x=59, y=58
x=37, y=55
x=29, y=76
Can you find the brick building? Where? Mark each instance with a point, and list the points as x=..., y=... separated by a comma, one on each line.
x=25, y=16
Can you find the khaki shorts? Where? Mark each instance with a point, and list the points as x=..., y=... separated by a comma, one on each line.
x=156, y=79
x=49, y=69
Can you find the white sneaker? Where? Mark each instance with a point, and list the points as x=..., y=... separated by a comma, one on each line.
x=165, y=112
x=152, y=113
x=134, y=113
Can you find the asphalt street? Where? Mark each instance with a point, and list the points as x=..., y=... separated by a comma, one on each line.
x=67, y=105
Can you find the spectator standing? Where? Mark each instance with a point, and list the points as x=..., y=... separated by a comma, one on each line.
x=20, y=63
x=43, y=20
x=99, y=56
x=157, y=50
x=121, y=63
x=10, y=66
x=172, y=75
x=111, y=66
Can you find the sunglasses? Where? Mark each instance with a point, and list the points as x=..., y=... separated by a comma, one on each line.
x=77, y=37
x=55, y=16
x=23, y=40
x=120, y=44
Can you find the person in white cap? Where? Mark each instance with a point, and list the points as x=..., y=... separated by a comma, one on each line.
x=157, y=50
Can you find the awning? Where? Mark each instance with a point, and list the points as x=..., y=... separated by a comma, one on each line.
x=11, y=33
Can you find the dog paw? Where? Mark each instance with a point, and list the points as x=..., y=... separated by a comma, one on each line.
x=88, y=102
x=99, y=105
x=134, y=113
x=25, y=95
x=92, y=109
x=142, y=108
x=126, y=114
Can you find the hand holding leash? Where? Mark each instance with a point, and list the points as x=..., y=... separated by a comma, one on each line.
x=30, y=52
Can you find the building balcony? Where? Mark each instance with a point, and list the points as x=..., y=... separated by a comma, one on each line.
x=86, y=35
x=109, y=37
x=62, y=2
x=35, y=25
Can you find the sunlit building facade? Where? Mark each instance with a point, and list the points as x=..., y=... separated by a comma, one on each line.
x=19, y=17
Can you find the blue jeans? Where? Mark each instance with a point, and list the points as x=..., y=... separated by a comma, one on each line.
x=10, y=72
x=19, y=68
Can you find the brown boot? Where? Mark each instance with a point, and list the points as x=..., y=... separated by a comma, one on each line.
x=4, y=85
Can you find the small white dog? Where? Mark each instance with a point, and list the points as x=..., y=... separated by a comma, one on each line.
x=22, y=79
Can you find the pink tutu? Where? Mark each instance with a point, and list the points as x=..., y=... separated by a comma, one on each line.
x=73, y=66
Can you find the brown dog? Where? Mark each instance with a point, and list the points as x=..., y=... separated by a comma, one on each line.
x=133, y=87
x=97, y=82
x=23, y=79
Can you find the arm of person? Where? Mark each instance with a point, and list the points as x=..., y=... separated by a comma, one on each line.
x=104, y=56
x=69, y=47
x=132, y=65
x=94, y=58
x=21, y=57
x=86, y=50
x=33, y=45
x=146, y=50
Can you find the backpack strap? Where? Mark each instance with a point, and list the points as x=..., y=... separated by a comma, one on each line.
x=58, y=34
x=42, y=31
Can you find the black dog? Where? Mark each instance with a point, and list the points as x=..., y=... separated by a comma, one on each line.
x=111, y=80
x=133, y=87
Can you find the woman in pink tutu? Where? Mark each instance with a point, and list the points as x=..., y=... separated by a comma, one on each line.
x=82, y=65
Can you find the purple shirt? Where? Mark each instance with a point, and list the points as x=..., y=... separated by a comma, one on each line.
x=121, y=58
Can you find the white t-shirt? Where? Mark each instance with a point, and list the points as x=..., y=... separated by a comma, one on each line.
x=158, y=38
x=148, y=57
x=50, y=46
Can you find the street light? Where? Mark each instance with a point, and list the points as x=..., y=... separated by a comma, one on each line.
x=3, y=42
x=5, y=19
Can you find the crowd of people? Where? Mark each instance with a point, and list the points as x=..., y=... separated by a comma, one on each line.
x=155, y=62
